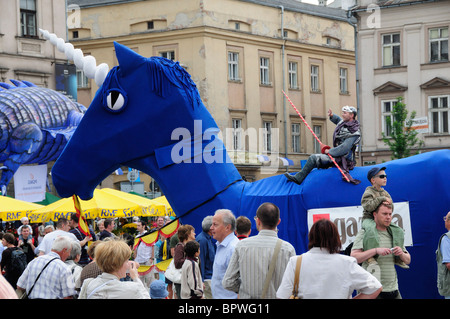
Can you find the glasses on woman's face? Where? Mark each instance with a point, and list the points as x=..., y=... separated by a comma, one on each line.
x=445, y=218
x=382, y=176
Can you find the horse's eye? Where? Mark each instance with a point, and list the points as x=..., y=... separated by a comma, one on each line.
x=115, y=100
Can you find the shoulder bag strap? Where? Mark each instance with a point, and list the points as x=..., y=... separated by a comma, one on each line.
x=271, y=267
x=29, y=292
x=297, y=277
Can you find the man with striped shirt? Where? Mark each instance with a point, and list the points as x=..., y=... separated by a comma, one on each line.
x=250, y=262
x=384, y=270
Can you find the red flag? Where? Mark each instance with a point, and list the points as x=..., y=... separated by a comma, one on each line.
x=82, y=224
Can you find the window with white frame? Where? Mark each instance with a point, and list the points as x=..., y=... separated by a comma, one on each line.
x=391, y=49
x=233, y=66
x=264, y=71
x=439, y=113
x=318, y=131
x=343, y=80
x=82, y=80
x=315, y=78
x=168, y=55
x=387, y=119
x=237, y=134
x=28, y=18
x=438, y=44
x=267, y=129
x=293, y=75
x=295, y=134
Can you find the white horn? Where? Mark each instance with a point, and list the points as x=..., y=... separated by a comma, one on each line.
x=85, y=63
x=100, y=73
x=60, y=44
x=78, y=58
x=68, y=50
x=53, y=38
x=89, y=66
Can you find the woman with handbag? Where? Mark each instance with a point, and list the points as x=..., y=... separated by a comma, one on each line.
x=185, y=233
x=324, y=273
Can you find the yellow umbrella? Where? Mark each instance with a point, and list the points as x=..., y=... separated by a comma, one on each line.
x=163, y=200
x=106, y=203
x=14, y=209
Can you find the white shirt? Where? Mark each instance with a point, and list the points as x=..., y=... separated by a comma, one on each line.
x=46, y=244
x=224, y=252
x=327, y=276
x=143, y=253
x=113, y=288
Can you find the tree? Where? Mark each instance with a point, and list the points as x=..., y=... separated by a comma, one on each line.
x=402, y=138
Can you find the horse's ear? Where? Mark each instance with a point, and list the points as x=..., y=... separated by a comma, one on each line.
x=127, y=58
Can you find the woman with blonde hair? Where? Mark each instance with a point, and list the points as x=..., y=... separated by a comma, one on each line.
x=113, y=258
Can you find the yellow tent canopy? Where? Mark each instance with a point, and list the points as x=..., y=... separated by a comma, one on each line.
x=106, y=203
x=13, y=209
x=163, y=200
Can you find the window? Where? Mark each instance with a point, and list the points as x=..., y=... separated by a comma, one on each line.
x=82, y=80
x=315, y=78
x=387, y=118
x=233, y=66
x=318, y=131
x=293, y=75
x=237, y=26
x=28, y=18
x=150, y=25
x=75, y=34
x=343, y=87
x=267, y=129
x=391, y=49
x=439, y=109
x=237, y=134
x=264, y=71
x=168, y=55
x=439, y=44
x=295, y=131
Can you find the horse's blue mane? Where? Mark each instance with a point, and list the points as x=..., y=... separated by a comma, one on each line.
x=163, y=73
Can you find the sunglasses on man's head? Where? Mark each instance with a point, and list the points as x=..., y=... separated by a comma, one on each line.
x=381, y=176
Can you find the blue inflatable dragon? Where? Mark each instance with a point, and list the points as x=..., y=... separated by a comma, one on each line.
x=35, y=125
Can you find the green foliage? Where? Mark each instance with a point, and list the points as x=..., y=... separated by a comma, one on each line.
x=402, y=138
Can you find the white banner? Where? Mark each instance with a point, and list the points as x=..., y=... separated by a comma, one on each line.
x=30, y=182
x=348, y=220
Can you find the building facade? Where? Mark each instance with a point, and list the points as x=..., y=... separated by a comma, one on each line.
x=242, y=55
x=24, y=55
x=402, y=55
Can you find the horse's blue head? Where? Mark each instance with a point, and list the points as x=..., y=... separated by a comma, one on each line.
x=140, y=104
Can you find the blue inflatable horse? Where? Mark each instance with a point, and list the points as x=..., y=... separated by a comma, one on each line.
x=148, y=115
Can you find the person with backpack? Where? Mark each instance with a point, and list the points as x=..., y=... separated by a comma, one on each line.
x=14, y=260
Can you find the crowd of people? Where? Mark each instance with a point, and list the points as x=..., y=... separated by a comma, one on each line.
x=224, y=261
